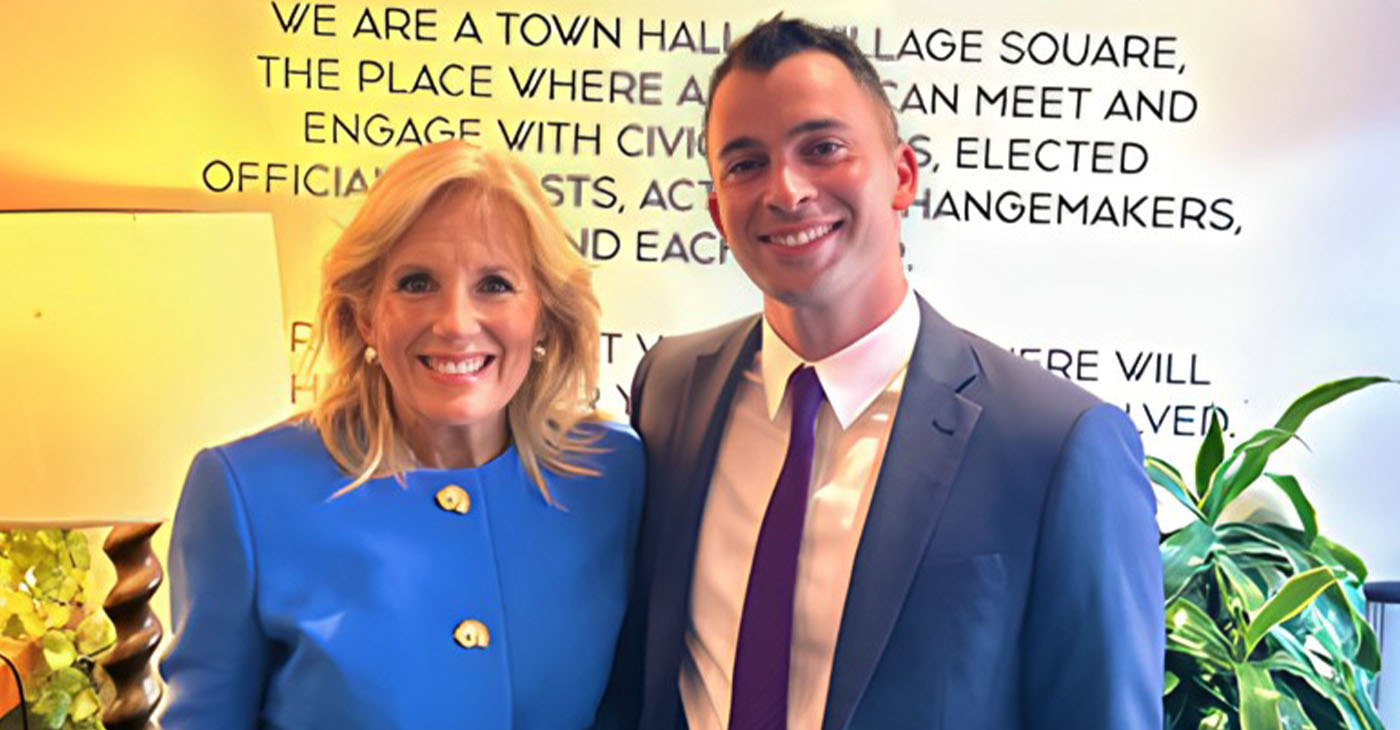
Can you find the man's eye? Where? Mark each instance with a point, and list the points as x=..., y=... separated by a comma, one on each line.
x=414, y=283
x=496, y=284
x=742, y=167
x=825, y=148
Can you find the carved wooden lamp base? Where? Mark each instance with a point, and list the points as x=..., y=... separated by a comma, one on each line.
x=138, y=689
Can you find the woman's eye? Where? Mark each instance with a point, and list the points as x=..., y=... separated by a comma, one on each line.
x=496, y=284
x=414, y=283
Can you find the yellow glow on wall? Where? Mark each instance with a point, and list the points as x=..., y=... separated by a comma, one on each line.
x=131, y=340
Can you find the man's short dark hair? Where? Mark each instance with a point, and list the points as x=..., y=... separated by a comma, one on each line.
x=777, y=38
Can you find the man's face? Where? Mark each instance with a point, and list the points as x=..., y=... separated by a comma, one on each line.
x=807, y=182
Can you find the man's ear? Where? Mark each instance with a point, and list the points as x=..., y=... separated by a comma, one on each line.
x=714, y=215
x=906, y=176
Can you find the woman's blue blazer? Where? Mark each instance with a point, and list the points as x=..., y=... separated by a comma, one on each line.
x=292, y=609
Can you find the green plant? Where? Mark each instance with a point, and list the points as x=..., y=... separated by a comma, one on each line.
x=44, y=599
x=1265, y=623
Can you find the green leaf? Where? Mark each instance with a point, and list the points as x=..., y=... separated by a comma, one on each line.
x=95, y=633
x=1191, y=632
x=1215, y=719
x=1185, y=553
x=1368, y=655
x=1342, y=628
x=1321, y=396
x=51, y=538
x=1240, y=586
x=1259, y=699
x=33, y=624
x=69, y=680
x=1321, y=688
x=1211, y=453
x=1244, y=466
x=1360, y=699
x=52, y=707
x=58, y=650
x=78, y=550
x=1296, y=594
x=1262, y=558
x=1301, y=505
x=85, y=705
x=1291, y=714
x=1165, y=476
x=1341, y=556
x=1171, y=682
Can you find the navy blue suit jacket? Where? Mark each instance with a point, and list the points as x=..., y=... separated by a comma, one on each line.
x=1008, y=573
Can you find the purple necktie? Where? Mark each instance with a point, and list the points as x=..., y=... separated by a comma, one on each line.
x=761, y=658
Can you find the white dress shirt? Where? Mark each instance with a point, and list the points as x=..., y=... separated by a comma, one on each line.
x=862, y=383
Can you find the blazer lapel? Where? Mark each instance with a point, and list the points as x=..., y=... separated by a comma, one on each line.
x=694, y=446
x=930, y=430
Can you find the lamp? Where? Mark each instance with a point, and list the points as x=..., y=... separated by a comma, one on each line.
x=131, y=340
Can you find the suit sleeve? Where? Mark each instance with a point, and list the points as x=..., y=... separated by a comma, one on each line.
x=217, y=667
x=1094, y=633
x=622, y=701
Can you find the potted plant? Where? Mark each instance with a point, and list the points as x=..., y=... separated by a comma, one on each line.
x=48, y=625
x=1266, y=623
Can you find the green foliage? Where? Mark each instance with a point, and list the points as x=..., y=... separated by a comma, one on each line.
x=44, y=585
x=1265, y=623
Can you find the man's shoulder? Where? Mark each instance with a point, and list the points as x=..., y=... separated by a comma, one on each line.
x=1010, y=386
x=694, y=344
x=675, y=355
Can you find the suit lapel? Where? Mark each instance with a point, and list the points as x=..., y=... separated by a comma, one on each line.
x=694, y=445
x=930, y=430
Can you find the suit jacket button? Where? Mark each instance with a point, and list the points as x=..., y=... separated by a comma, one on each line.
x=472, y=634
x=454, y=499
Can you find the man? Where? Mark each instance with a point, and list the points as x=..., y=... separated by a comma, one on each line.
x=858, y=515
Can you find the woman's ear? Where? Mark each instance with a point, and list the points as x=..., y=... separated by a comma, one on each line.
x=364, y=327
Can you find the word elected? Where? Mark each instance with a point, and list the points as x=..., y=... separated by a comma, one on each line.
x=1099, y=157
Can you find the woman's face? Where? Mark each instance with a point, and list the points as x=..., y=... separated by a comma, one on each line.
x=454, y=318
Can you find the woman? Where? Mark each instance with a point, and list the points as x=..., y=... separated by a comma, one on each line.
x=445, y=540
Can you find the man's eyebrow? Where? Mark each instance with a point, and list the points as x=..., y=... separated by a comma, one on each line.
x=737, y=145
x=814, y=125
x=740, y=144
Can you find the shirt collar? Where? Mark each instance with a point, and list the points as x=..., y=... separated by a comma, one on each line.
x=852, y=377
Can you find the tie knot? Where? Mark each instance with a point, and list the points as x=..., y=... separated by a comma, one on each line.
x=807, y=395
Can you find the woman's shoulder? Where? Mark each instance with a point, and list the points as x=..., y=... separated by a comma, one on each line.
x=289, y=448
x=613, y=444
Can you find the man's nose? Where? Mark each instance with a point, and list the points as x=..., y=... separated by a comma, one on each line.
x=789, y=188
x=458, y=315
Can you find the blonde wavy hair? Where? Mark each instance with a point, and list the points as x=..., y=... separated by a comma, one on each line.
x=354, y=412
